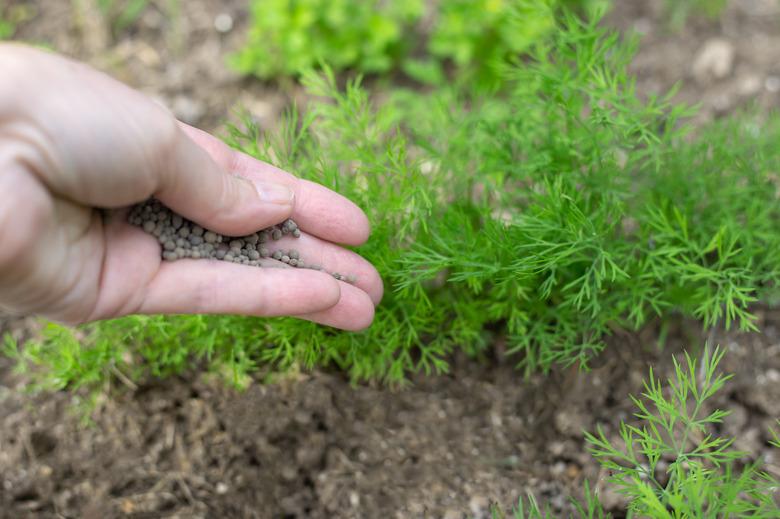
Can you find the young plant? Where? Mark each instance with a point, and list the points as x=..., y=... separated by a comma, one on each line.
x=672, y=463
x=702, y=477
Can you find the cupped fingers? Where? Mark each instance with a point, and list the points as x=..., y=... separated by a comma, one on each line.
x=216, y=287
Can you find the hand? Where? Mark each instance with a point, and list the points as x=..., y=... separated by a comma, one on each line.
x=74, y=141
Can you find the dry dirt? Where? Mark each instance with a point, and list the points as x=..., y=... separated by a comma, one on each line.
x=316, y=446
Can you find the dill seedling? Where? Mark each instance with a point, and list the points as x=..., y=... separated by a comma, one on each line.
x=671, y=463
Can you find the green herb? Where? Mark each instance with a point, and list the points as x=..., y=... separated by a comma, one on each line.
x=672, y=462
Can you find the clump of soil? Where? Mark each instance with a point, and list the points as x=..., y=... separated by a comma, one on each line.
x=181, y=238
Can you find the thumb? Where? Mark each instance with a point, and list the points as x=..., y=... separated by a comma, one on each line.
x=191, y=183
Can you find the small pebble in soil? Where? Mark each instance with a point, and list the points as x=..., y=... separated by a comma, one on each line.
x=180, y=238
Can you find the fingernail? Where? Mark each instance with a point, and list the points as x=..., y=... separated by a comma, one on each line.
x=274, y=193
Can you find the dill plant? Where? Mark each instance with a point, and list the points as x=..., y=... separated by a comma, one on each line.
x=550, y=213
x=671, y=462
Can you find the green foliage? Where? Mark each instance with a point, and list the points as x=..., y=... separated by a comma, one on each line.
x=287, y=37
x=550, y=214
x=672, y=463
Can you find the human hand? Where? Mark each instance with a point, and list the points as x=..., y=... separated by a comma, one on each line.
x=77, y=148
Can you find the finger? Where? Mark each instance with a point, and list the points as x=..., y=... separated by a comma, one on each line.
x=316, y=252
x=216, y=287
x=354, y=311
x=318, y=210
x=195, y=186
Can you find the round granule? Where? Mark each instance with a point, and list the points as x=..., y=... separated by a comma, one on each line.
x=296, y=233
x=293, y=262
x=235, y=251
x=149, y=226
x=285, y=259
x=195, y=239
x=264, y=252
x=301, y=264
x=210, y=237
x=177, y=221
x=252, y=239
x=236, y=244
x=196, y=254
x=179, y=252
x=351, y=279
x=220, y=254
x=276, y=234
x=184, y=231
x=254, y=255
x=228, y=256
x=263, y=236
x=277, y=255
x=197, y=230
x=169, y=256
x=169, y=245
x=249, y=246
x=294, y=254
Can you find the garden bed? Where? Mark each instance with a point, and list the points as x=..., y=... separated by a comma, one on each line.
x=313, y=445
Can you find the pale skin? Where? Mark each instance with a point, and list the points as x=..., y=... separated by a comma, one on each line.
x=77, y=148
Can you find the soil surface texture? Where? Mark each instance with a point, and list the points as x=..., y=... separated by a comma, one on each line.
x=312, y=445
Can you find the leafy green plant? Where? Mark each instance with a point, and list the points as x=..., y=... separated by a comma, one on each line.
x=477, y=38
x=550, y=215
x=673, y=463
x=288, y=36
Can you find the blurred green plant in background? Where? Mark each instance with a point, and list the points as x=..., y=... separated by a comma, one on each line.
x=289, y=36
x=423, y=39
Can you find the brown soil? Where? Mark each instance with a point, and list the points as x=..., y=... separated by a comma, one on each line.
x=314, y=445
